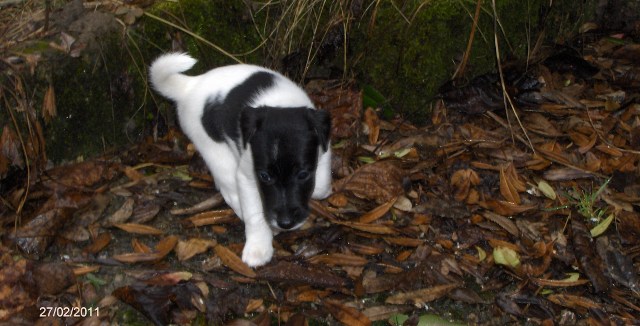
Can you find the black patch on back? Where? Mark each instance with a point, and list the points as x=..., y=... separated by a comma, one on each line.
x=221, y=117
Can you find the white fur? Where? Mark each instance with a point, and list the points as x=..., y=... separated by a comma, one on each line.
x=232, y=170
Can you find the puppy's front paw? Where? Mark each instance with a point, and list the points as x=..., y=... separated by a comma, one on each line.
x=256, y=253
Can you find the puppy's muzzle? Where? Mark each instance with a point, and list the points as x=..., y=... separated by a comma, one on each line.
x=287, y=219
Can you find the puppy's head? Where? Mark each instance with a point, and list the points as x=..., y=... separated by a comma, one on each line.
x=284, y=145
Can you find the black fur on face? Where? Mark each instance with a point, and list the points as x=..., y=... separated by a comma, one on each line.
x=284, y=144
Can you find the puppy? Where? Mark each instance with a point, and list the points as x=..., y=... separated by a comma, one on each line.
x=265, y=144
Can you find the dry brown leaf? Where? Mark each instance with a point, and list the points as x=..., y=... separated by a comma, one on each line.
x=133, y=174
x=507, y=189
x=615, y=152
x=137, y=257
x=84, y=270
x=164, y=246
x=49, y=105
x=140, y=247
x=512, y=173
x=345, y=106
x=208, y=203
x=338, y=200
x=372, y=122
x=369, y=227
x=537, y=122
x=404, y=241
x=558, y=283
x=573, y=301
x=121, y=215
x=505, y=208
x=366, y=249
x=99, y=243
x=10, y=152
x=377, y=212
x=504, y=222
x=346, y=315
x=462, y=180
x=380, y=181
x=231, y=260
x=139, y=228
x=192, y=247
x=210, y=218
x=422, y=296
x=312, y=295
x=339, y=259
x=293, y=273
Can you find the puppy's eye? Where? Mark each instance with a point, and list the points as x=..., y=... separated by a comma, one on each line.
x=264, y=176
x=303, y=175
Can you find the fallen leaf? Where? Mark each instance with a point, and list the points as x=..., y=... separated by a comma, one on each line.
x=192, y=247
x=294, y=273
x=506, y=256
x=339, y=259
x=380, y=181
x=231, y=260
x=422, y=296
x=346, y=315
x=377, y=212
x=122, y=214
x=138, y=228
x=602, y=226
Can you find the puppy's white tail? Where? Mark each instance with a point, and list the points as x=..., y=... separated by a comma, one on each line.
x=166, y=78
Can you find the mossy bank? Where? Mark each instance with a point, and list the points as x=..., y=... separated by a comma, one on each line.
x=403, y=49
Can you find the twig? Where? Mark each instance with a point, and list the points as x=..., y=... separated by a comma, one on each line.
x=460, y=71
x=194, y=35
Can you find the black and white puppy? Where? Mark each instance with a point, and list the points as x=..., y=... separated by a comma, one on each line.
x=265, y=144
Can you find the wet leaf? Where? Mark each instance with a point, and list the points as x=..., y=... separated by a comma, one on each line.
x=231, y=260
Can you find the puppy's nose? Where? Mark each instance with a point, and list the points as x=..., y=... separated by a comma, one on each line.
x=286, y=223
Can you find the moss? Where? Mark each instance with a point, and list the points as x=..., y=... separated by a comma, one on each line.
x=407, y=62
x=225, y=23
x=93, y=100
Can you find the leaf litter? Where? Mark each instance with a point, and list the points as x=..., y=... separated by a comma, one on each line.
x=462, y=213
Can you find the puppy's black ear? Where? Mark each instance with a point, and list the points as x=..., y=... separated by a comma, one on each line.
x=321, y=121
x=250, y=122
